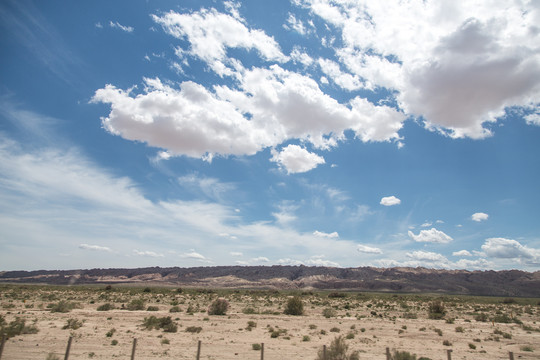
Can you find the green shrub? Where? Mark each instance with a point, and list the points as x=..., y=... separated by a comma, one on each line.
x=336, y=294
x=110, y=333
x=51, y=356
x=329, y=312
x=105, y=307
x=335, y=329
x=527, y=348
x=218, y=307
x=152, y=308
x=295, y=306
x=256, y=346
x=114, y=342
x=62, y=306
x=136, y=304
x=472, y=346
x=306, y=338
x=436, y=310
x=16, y=327
x=165, y=323
x=175, y=309
x=481, y=317
x=403, y=355
x=248, y=311
x=338, y=350
x=73, y=324
x=447, y=343
x=460, y=329
x=194, y=329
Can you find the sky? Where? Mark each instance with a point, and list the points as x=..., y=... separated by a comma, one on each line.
x=318, y=132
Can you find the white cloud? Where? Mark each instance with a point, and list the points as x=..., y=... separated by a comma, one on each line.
x=427, y=256
x=478, y=264
x=461, y=253
x=147, y=253
x=192, y=254
x=288, y=261
x=333, y=235
x=476, y=59
x=509, y=249
x=479, y=217
x=297, y=25
x=432, y=236
x=117, y=25
x=236, y=253
x=319, y=261
x=211, y=33
x=260, y=259
x=368, y=249
x=426, y=224
x=390, y=201
x=533, y=119
x=296, y=159
x=94, y=247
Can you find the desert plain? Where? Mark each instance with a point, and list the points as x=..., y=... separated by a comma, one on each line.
x=103, y=321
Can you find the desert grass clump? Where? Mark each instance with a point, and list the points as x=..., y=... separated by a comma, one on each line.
x=136, y=304
x=165, y=323
x=436, y=310
x=72, y=324
x=402, y=355
x=218, y=307
x=338, y=350
x=194, y=329
x=62, y=306
x=16, y=327
x=328, y=312
x=256, y=346
x=295, y=306
x=105, y=307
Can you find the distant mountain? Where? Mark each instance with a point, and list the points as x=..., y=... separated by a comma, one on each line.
x=410, y=280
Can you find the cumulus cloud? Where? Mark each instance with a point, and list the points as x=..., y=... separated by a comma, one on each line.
x=480, y=216
x=460, y=76
x=431, y=236
x=509, y=249
x=266, y=107
x=368, y=249
x=427, y=256
x=333, y=235
x=236, y=253
x=296, y=159
x=390, y=201
x=461, y=253
x=210, y=33
x=94, y=247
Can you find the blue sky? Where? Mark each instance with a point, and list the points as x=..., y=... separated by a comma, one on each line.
x=316, y=132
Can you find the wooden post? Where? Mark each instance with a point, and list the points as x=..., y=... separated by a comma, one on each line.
x=199, y=350
x=324, y=352
x=262, y=351
x=511, y=354
x=449, y=354
x=2, y=345
x=388, y=356
x=66, y=357
x=133, y=349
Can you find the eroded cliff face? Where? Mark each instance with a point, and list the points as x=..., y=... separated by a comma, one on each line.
x=501, y=283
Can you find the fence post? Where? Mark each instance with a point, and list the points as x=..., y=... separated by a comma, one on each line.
x=66, y=357
x=511, y=354
x=2, y=345
x=388, y=357
x=199, y=350
x=133, y=349
x=449, y=354
x=262, y=351
x=324, y=352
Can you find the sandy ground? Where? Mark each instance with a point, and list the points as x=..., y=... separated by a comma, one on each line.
x=226, y=337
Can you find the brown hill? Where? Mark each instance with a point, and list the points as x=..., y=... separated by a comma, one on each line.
x=491, y=283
